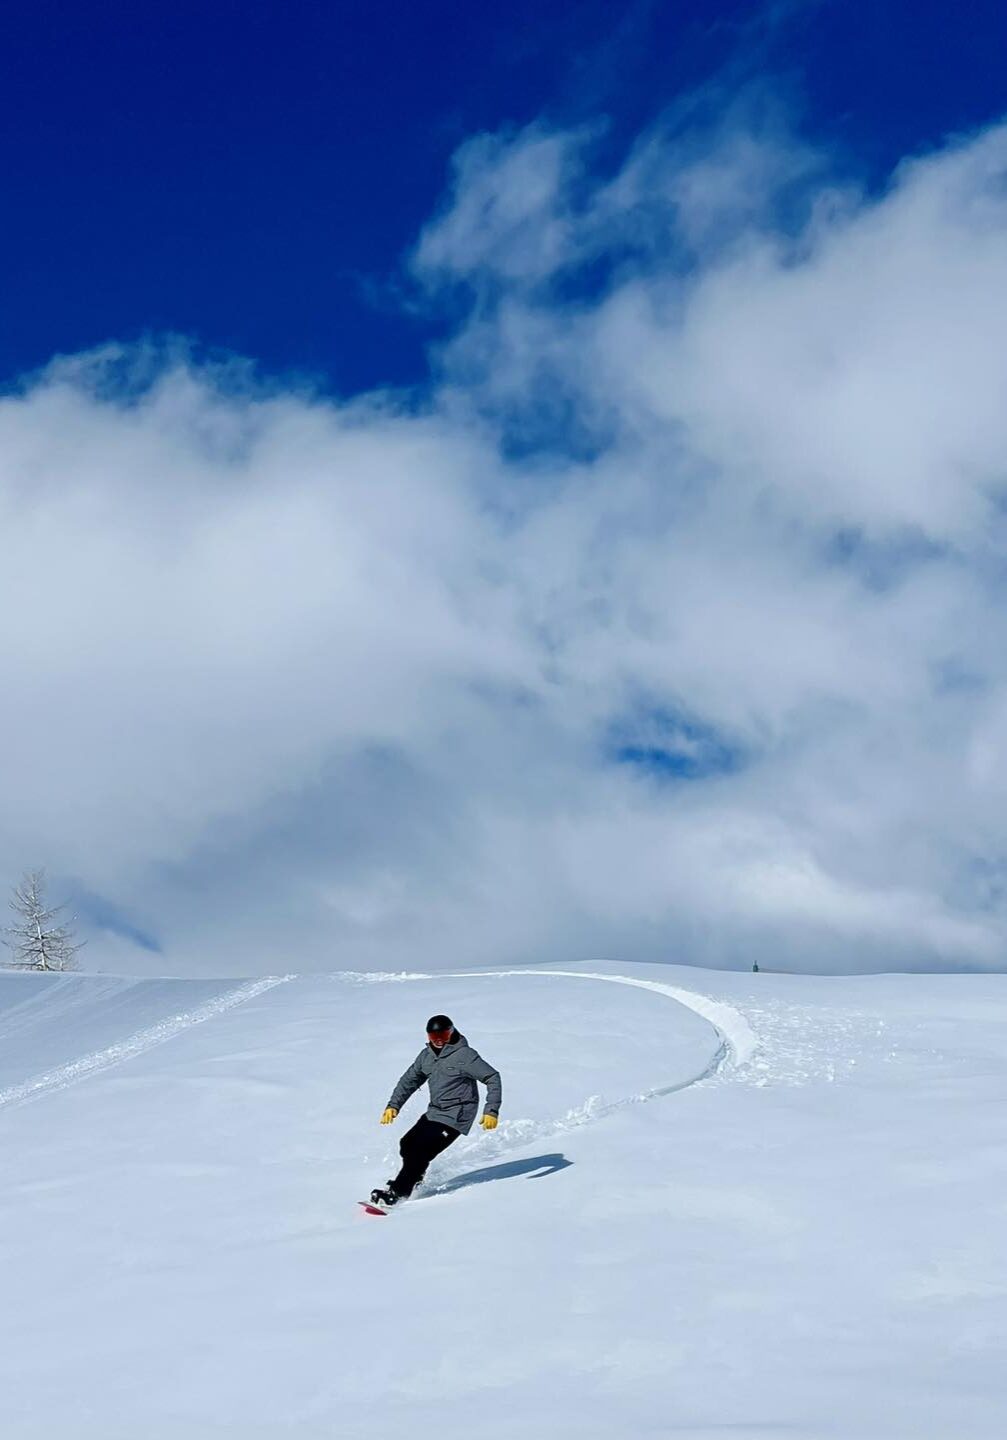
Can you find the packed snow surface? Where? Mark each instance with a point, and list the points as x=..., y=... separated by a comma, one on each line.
x=717, y=1204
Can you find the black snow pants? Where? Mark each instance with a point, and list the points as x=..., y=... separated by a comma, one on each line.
x=418, y=1147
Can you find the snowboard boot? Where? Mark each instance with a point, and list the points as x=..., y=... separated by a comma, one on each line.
x=386, y=1197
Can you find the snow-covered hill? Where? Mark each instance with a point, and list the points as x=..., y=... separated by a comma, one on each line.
x=757, y=1205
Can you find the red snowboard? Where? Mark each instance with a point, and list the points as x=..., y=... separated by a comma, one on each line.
x=372, y=1209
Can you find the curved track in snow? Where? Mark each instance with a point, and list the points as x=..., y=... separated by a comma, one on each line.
x=737, y=1044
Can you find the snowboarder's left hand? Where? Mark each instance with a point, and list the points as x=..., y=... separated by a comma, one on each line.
x=488, y=1122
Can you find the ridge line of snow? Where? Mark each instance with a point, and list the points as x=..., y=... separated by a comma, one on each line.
x=75, y=1070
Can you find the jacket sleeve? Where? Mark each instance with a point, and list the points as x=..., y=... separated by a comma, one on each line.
x=480, y=1069
x=409, y=1082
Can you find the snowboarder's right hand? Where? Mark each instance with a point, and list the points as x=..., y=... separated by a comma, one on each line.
x=389, y=1115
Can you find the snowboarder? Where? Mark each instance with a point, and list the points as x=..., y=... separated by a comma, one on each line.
x=449, y=1065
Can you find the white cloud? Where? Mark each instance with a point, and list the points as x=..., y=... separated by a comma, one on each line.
x=506, y=214
x=306, y=684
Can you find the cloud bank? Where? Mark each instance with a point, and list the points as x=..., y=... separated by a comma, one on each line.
x=667, y=621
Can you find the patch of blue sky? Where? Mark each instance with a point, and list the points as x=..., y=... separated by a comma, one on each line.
x=954, y=676
x=669, y=746
x=547, y=421
x=983, y=883
x=98, y=913
x=881, y=564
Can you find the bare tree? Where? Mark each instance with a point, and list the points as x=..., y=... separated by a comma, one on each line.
x=36, y=941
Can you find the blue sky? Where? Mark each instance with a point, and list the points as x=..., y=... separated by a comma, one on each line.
x=251, y=173
x=502, y=483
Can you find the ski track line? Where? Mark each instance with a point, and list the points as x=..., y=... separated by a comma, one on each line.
x=76, y=1070
x=738, y=1044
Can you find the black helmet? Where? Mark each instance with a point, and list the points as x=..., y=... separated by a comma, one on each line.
x=439, y=1023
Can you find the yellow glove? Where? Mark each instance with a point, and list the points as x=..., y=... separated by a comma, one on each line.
x=488, y=1122
x=388, y=1116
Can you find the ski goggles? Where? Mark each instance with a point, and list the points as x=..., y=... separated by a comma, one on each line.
x=438, y=1037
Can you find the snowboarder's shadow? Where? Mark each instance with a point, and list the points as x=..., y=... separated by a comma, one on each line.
x=536, y=1167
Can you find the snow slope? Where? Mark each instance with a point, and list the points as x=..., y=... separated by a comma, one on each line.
x=757, y=1205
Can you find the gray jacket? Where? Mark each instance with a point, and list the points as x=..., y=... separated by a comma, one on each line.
x=451, y=1074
